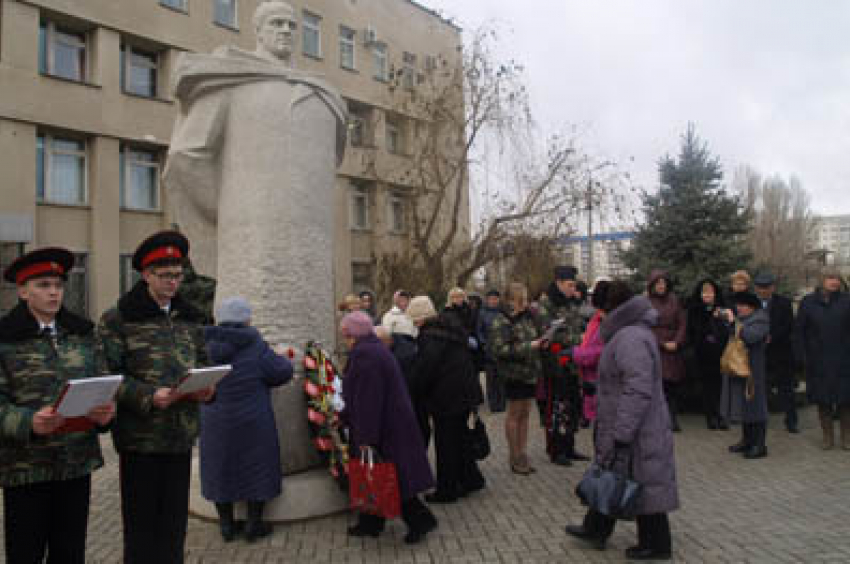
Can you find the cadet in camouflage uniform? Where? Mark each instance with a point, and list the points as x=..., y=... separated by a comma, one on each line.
x=560, y=408
x=515, y=345
x=46, y=460
x=153, y=337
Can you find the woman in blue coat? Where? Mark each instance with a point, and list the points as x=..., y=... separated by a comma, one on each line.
x=240, y=454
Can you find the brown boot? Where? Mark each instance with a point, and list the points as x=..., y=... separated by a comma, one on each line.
x=845, y=427
x=826, y=424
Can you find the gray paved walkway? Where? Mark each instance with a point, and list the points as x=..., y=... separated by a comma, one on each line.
x=793, y=506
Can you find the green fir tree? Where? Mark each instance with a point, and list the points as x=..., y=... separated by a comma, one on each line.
x=693, y=227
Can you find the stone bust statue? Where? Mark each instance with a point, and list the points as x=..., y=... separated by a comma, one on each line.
x=251, y=180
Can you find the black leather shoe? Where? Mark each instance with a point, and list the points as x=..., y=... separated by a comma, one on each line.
x=562, y=460
x=361, y=531
x=257, y=531
x=756, y=452
x=793, y=429
x=638, y=553
x=722, y=424
x=711, y=423
x=575, y=455
x=414, y=536
x=581, y=533
x=739, y=447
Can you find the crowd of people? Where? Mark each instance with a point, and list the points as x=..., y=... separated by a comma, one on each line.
x=605, y=358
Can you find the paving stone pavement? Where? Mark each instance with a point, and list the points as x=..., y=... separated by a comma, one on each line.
x=793, y=506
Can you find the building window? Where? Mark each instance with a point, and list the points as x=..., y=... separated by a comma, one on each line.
x=312, y=35
x=139, y=70
x=346, y=47
x=77, y=288
x=359, y=207
x=139, y=179
x=362, y=276
x=9, y=252
x=360, y=130
x=129, y=276
x=224, y=13
x=395, y=141
x=180, y=5
x=396, y=213
x=60, y=170
x=408, y=71
x=62, y=52
x=382, y=68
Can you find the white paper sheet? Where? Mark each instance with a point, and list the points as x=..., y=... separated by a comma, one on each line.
x=203, y=378
x=85, y=394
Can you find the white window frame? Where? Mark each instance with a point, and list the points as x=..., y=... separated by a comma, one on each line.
x=47, y=173
x=130, y=54
x=231, y=25
x=347, y=43
x=75, y=39
x=182, y=5
x=381, y=59
x=397, y=222
x=408, y=76
x=359, y=194
x=394, y=131
x=128, y=151
x=313, y=27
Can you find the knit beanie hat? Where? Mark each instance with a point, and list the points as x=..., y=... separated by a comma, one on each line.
x=233, y=310
x=421, y=308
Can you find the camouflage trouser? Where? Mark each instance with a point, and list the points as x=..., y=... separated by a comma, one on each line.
x=562, y=410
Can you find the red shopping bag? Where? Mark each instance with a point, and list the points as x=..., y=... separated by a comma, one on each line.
x=373, y=486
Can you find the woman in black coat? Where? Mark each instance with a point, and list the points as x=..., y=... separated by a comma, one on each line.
x=707, y=333
x=444, y=378
x=823, y=336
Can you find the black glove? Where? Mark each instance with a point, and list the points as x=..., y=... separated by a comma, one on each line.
x=622, y=457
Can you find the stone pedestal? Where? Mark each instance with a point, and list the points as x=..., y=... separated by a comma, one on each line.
x=306, y=495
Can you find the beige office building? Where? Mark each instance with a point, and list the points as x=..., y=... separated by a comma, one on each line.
x=86, y=114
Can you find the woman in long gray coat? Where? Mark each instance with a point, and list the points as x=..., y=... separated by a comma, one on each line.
x=240, y=455
x=633, y=423
x=746, y=399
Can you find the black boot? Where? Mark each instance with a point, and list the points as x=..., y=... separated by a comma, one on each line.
x=746, y=439
x=256, y=528
x=758, y=449
x=711, y=422
x=225, y=521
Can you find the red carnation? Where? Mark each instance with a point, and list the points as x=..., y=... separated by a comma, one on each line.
x=555, y=348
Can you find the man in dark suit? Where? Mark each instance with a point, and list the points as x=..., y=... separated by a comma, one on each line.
x=780, y=351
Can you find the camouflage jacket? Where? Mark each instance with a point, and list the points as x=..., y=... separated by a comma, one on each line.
x=510, y=338
x=33, y=371
x=199, y=291
x=554, y=306
x=152, y=350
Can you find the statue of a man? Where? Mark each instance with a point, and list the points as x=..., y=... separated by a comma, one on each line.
x=250, y=179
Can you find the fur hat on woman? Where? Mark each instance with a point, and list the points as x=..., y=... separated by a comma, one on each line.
x=421, y=308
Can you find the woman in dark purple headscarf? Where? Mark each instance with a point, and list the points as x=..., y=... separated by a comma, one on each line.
x=380, y=416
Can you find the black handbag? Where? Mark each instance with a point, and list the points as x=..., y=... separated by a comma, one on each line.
x=610, y=491
x=478, y=442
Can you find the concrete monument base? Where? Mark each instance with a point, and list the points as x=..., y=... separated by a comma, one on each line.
x=306, y=495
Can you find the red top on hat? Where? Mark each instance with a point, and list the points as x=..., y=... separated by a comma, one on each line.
x=159, y=253
x=38, y=269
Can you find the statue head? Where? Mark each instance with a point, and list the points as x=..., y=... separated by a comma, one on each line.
x=274, y=23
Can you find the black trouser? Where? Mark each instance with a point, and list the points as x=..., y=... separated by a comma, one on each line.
x=671, y=394
x=712, y=383
x=653, y=530
x=49, y=517
x=414, y=513
x=562, y=408
x=457, y=471
x=154, y=506
x=495, y=389
x=786, y=389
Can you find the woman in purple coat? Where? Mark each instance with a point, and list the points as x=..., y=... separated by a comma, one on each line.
x=633, y=424
x=380, y=417
x=240, y=455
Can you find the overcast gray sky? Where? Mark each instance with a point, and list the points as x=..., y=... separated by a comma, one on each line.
x=767, y=82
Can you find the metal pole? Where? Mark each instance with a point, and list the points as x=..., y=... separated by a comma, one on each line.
x=590, y=231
